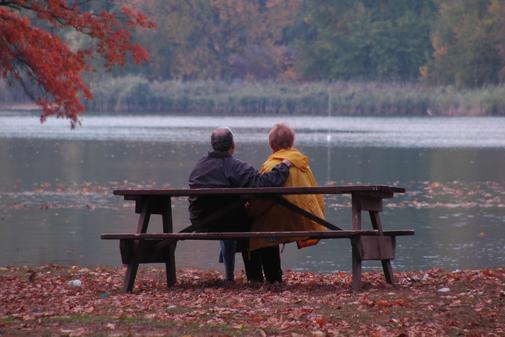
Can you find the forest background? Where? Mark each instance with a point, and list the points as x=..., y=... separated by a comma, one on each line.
x=359, y=57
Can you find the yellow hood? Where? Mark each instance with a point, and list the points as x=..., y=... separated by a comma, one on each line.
x=299, y=160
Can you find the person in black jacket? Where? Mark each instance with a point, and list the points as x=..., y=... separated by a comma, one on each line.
x=219, y=169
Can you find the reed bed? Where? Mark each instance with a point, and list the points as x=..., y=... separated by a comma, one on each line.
x=345, y=98
x=136, y=94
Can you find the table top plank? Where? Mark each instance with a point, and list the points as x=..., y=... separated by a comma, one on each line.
x=186, y=192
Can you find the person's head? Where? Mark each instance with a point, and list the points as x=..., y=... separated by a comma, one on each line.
x=280, y=137
x=222, y=140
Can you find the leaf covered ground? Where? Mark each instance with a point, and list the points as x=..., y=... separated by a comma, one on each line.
x=39, y=301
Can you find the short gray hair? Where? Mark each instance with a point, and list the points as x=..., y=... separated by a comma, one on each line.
x=222, y=139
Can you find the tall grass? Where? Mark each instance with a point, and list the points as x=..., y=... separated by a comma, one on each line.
x=136, y=94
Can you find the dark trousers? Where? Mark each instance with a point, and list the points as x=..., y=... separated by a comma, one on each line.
x=227, y=256
x=264, y=261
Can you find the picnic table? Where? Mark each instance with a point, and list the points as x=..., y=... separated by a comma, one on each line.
x=142, y=247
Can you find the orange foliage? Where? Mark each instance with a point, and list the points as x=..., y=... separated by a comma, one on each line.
x=220, y=39
x=29, y=52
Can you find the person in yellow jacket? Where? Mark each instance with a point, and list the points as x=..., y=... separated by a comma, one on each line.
x=269, y=217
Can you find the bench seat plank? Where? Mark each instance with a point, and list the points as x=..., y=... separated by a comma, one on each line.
x=245, y=235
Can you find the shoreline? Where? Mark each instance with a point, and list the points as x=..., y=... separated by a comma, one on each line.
x=33, y=109
x=40, y=300
x=135, y=94
x=19, y=106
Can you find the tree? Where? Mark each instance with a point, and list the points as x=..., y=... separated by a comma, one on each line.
x=367, y=39
x=468, y=43
x=35, y=53
x=218, y=39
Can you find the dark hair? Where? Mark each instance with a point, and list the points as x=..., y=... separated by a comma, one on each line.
x=221, y=139
x=281, y=137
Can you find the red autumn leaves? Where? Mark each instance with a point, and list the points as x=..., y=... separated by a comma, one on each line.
x=43, y=301
x=33, y=51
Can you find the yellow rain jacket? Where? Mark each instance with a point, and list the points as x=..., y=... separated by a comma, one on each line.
x=269, y=217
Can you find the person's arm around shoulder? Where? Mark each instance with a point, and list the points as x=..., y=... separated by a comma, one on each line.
x=287, y=163
x=244, y=175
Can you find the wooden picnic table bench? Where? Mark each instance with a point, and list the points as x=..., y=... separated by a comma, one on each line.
x=143, y=247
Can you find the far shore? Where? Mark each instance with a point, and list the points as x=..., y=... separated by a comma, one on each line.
x=19, y=106
x=32, y=108
x=137, y=95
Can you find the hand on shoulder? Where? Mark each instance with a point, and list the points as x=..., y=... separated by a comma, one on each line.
x=287, y=163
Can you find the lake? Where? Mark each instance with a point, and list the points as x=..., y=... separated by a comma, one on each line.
x=56, y=184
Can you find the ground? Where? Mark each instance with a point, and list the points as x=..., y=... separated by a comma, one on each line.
x=42, y=301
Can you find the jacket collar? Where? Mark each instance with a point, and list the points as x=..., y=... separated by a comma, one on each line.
x=219, y=154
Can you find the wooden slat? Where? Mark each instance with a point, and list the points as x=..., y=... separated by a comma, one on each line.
x=376, y=248
x=129, y=194
x=245, y=235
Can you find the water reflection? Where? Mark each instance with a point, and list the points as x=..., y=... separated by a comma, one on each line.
x=56, y=184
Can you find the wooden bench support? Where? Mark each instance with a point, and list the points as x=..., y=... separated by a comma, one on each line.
x=160, y=248
x=138, y=251
x=366, y=248
x=143, y=222
x=356, y=266
x=166, y=215
x=129, y=279
x=385, y=260
x=134, y=252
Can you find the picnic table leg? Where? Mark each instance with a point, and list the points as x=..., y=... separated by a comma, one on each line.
x=168, y=228
x=386, y=264
x=143, y=222
x=356, y=267
x=129, y=280
x=356, y=259
x=356, y=212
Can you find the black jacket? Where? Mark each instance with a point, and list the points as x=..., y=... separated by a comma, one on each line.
x=218, y=170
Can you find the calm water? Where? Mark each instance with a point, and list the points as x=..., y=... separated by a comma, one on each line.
x=56, y=184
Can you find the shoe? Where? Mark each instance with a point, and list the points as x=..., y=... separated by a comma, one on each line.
x=275, y=281
x=255, y=282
